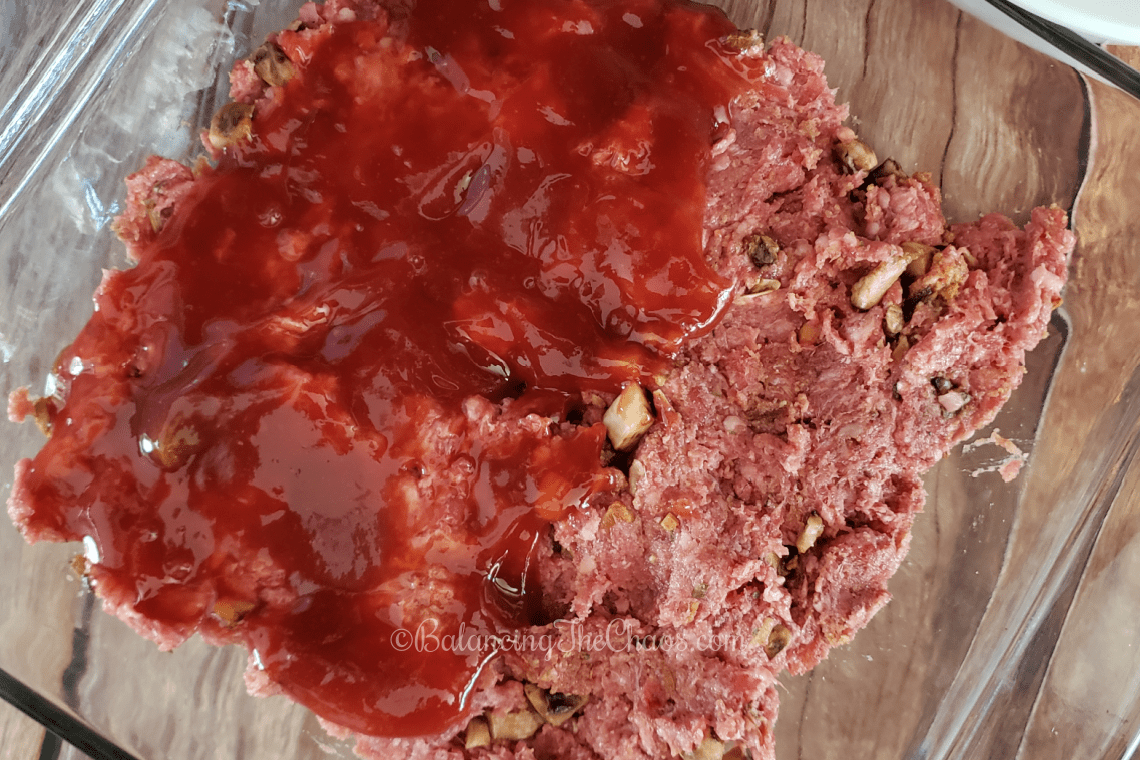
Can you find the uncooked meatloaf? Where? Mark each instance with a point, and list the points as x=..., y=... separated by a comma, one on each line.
x=526, y=378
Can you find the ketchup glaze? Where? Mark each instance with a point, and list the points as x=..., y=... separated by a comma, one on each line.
x=329, y=404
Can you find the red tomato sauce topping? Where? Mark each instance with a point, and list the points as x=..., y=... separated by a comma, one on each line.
x=329, y=405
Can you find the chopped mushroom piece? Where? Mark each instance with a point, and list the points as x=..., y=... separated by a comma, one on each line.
x=813, y=529
x=761, y=250
x=176, y=444
x=710, y=748
x=636, y=473
x=947, y=273
x=763, y=286
x=21, y=405
x=231, y=611
x=514, y=726
x=920, y=258
x=900, y=349
x=744, y=39
x=555, y=708
x=616, y=513
x=871, y=288
x=232, y=124
x=42, y=414
x=856, y=156
x=893, y=320
x=664, y=408
x=760, y=635
x=272, y=65
x=889, y=168
x=154, y=217
x=478, y=734
x=628, y=418
x=158, y=208
x=778, y=640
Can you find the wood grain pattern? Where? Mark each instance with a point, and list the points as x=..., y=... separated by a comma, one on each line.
x=938, y=92
x=1000, y=128
x=20, y=736
x=1130, y=55
x=1095, y=670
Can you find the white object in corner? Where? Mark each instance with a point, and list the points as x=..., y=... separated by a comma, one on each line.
x=1098, y=21
x=1095, y=20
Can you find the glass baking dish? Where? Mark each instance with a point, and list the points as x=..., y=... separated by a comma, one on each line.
x=1015, y=626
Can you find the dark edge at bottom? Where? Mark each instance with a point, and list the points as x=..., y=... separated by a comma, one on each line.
x=58, y=721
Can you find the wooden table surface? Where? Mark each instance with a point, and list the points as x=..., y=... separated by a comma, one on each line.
x=22, y=738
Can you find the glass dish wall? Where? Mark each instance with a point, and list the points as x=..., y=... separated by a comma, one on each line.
x=1013, y=632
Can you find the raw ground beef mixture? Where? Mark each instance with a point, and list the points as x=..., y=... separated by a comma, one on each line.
x=526, y=379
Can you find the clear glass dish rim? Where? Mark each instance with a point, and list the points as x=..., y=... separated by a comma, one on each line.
x=67, y=726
